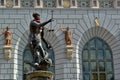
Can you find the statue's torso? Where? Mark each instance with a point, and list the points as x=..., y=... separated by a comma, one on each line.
x=34, y=27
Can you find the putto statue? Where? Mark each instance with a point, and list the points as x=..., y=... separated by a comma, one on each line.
x=35, y=38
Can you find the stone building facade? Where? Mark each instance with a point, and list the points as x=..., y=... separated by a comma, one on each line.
x=82, y=25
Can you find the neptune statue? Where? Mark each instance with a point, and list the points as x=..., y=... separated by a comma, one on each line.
x=36, y=36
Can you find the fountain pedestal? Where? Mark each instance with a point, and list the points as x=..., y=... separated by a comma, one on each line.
x=40, y=75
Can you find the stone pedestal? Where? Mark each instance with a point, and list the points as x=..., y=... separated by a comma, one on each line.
x=7, y=51
x=69, y=49
x=40, y=75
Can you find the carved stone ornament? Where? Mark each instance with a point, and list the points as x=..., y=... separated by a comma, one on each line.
x=69, y=49
x=7, y=52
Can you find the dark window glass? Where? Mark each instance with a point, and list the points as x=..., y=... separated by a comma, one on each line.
x=109, y=66
x=2, y=2
x=38, y=2
x=100, y=54
x=92, y=44
x=102, y=76
x=92, y=54
x=110, y=77
x=101, y=66
x=60, y=2
x=16, y=2
x=94, y=3
x=85, y=54
x=86, y=66
x=108, y=54
x=73, y=2
x=99, y=44
x=93, y=66
x=86, y=76
x=94, y=76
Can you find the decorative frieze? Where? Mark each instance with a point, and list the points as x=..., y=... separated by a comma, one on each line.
x=60, y=3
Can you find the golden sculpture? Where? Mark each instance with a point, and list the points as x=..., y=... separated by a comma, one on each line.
x=97, y=23
x=9, y=3
x=68, y=35
x=68, y=39
x=7, y=48
x=66, y=4
x=8, y=36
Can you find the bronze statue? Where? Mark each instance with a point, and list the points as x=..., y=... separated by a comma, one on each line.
x=43, y=65
x=68, y=35
x=8, y=36
x=35, y=37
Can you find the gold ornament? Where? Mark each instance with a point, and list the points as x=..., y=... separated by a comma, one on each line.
x=9, y=3
x=66, y=4
x=97, y=24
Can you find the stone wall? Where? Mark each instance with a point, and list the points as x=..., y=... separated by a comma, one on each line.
x=80, y=21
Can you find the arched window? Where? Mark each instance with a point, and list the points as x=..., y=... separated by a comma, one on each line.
x=27, y=56
x=97, y=61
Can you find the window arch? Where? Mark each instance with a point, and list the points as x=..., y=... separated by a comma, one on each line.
x=27, y=56
x=97, y=61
